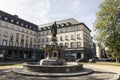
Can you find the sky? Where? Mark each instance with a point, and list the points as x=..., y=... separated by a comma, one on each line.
x=45, y=11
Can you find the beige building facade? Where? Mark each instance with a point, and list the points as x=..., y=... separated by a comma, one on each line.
x=72, y=34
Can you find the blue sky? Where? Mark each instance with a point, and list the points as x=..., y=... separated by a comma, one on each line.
x=45, y=11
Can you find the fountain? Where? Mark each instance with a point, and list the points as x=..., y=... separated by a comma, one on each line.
x=53, y=62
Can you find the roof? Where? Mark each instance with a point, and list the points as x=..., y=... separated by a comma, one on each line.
x=17, y=19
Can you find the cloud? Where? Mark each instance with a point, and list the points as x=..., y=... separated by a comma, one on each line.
x=44, y=11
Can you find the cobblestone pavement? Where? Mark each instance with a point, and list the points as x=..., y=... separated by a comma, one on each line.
x=101, y=73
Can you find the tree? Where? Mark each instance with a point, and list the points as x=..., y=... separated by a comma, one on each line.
x=107, y=26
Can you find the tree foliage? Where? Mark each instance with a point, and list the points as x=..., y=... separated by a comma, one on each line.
x=107, y=26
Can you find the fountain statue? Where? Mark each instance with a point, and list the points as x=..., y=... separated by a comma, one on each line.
x=53, y=52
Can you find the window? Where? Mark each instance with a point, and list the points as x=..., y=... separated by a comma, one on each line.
x=44, y=32
x=75, y=27
x=66, y=45
x=30, y=45
x=66, y=29
x=78, y=36
x=42, y=39
x=12, y=27
x=68, y=23
x=10, y=43
x=26, y=26
x=34, y=46
x=41, y=45
x=72, y=37
x=72, y=44
x=30, y=27
x=11, y=35
x=0, y=32
x=58, y=25
x=12, y=20
x=6, y=18
x=55, y=54
x=61, y=39
x=63, y=24
x=17, y=28
x=61, y=30
x=30, y=39
x=41, y=33
x=61, y=44
x=66, y=37
x=26, y=37
x=78, y=44
x=5, y=34
x=72, y=29
x=22, y=30
x=17, y=22
x=31, y=32
x=3, y=24
x=27, y=31
x=78, y=27
x=26, y=45
x=17, y=44
x=6, y=25
x=34, y=40
x=22, y=45
x=22, y=36
x=47, y=39
x=38, y=46
x=58, y=31
x=4, y=42
x=38, y=40
x=35, y=34
x=17, y=36
x=34, y=29
x=0, y=23
x=22, y=24
x=47, y=32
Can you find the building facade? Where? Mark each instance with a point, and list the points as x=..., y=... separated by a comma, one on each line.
x=72, y=34
x=22, y=40
x=17, y=38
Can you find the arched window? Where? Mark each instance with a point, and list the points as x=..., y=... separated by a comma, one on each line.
x=55, y=54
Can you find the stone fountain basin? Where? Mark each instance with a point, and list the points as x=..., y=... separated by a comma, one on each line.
x=67, y=68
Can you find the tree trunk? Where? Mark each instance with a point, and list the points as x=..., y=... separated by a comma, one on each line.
x=117, y=60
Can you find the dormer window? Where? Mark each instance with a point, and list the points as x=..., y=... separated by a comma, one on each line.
x=22, y=24
x=68, y=23
x=42, y=28
x=58, y=25
x=49, y=27
x=46, y=28
x=63, y=24
x=27, y=26
x=6, y=18
x=12, y=20
x=0, y=16
x=30, y=27
x=17, y=22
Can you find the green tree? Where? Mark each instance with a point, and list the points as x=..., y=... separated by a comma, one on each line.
x=107, y=27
